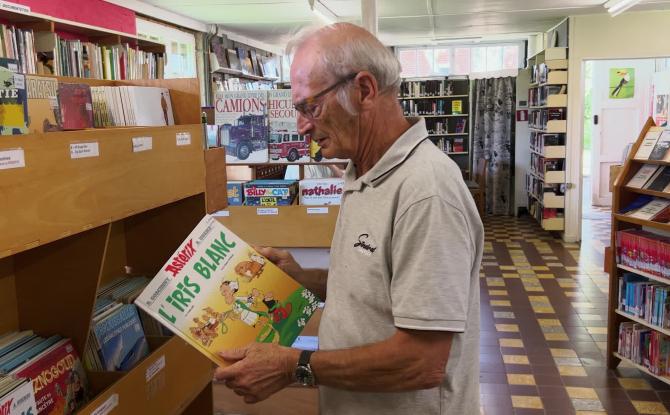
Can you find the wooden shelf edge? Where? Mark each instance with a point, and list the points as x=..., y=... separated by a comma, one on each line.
x=641, y=222
x=648, y=192
x=641, y=368
x=643, y=322
x=644, y=274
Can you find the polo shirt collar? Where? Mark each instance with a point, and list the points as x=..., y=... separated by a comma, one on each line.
x=393, y=157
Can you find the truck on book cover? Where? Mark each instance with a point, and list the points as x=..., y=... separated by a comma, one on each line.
x=243, y=125
x=217, y=293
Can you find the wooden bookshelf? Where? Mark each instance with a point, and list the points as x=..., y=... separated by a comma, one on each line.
x=623, y=196
x=71, y=225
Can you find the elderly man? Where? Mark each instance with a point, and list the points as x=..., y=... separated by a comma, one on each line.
x=399, y=333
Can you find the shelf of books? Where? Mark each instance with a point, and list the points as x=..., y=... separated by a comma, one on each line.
x=97, y=194
x=639, y=323
x=444, y=103
x=547, y=100
x=49, y=46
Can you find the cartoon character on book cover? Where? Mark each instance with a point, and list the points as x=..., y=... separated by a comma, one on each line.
x=243, y=125
x=218, y=293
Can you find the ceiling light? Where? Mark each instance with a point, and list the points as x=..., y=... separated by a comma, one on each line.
x=616, y=7
x=322, y=12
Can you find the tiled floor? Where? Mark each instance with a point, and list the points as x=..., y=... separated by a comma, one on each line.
x=544, y=318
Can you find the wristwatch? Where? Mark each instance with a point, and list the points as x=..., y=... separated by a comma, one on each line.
x=303, y=370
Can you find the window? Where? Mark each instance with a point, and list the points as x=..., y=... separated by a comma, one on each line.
x=460, y=60
x=179, y=47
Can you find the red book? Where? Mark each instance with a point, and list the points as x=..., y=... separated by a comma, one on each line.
x=76, y=106
x=59, y=380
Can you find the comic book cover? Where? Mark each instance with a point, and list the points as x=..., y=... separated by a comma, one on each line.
x=217, y=293
x=286, y=145
x=13, y=103
x=17, y=397
x=76, y=106
x=243, y=125
x=43, y=110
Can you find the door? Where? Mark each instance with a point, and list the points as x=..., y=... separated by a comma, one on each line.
x=619, y=117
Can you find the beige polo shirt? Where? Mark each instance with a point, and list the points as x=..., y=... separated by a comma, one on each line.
x=406, y=253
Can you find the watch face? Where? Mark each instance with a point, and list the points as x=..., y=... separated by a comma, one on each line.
x=304, y=376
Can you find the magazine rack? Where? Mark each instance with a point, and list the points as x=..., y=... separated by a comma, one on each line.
x=623, y=196
x=70, y=225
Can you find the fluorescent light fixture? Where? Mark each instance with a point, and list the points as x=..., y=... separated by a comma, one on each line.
x=616, y=7
x=322, y=12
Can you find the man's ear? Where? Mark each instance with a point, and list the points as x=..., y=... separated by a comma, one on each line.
x=367, y=89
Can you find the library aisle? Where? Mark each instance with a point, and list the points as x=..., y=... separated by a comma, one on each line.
x=544, y=322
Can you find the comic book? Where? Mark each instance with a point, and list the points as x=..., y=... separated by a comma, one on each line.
x=218, y=293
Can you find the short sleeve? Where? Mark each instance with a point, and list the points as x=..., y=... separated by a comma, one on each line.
x=432, y=257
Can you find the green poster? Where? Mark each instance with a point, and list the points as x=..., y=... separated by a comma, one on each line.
x=622, y=83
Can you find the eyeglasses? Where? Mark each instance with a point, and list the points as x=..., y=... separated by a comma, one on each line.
x=310, y=108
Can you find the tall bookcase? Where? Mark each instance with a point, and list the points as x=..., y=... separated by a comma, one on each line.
x=548, y=101
x=623, y=196
x=69, y=225
x=436, y=100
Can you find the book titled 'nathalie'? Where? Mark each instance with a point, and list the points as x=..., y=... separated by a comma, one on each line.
x=218, y=293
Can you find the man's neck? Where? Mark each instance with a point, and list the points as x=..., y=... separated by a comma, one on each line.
x=383, y=132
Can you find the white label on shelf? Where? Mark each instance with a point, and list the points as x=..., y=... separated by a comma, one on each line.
x=89, y=106
x=12, y=159
x=107, y=406
x=317, y=210
x=142, y=144
x=184, y=139
x=267, y=211
x=84, y=150
x=19, y=80
x=155, y=367
x=221, y=213
x=13, y=7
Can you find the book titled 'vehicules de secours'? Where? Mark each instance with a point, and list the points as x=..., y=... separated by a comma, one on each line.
x=218, y=293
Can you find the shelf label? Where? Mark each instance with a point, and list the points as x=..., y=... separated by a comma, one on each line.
x=84, y=150
x=12, y=159
x=107, y=406
x=267, y=211
x=13, y=7
x=317, y=210
x=155, y=367
x=142, y=144
x=184, y=139
x=221, y=213
x=19, y=80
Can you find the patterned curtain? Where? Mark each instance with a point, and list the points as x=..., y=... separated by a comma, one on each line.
x=493, y=123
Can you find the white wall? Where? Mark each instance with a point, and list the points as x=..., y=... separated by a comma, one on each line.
x=521, y=144
x=630, y=35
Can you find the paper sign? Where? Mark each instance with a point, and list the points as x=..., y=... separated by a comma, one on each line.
x=142, y=144
x=184, y=139
x=12, y=159
x=107, y=406
x=18, y=8
x=267, y=211
x=84, y=150
x=19, y=81
x=317, y=210
x=155, y=368
x=221, y=213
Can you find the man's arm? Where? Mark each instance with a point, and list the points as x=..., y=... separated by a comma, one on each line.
x=314, y=280
x=408, y=360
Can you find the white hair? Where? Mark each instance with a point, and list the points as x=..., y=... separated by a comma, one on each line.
x=362, y=53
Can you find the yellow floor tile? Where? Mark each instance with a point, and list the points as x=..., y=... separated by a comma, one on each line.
x=507, y=328
x=495, y=282
x=644, y=407
x=496, y=293
x=634, y=383
x=590, y=413
x=581, y=393
x=545, y=276
x=530, y=402
x=543, y=310
x=507, y=267
x=563, y=353
x=510, y=275
x=526, y=272
x=571, y=371
x=540, y=268
x=511, y=359
x=562, y=337
x=514, y=379
x=510, y=342
x=597, y=330
x=500, y=303
x=548, y=322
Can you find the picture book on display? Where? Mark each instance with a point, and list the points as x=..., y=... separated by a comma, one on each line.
x=17, y=396
x=43, y=110
x=660, y=151
x=651, y=210
x=659, y=180
x=13, y=103
x=285, y=144
x=76, y=106
x=643, y=175
x=217, y=293
x=120, y=339
x=243, y=125
x=648, y=144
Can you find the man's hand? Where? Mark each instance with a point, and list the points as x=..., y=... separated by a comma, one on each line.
x=258, y=370
x=281, y=258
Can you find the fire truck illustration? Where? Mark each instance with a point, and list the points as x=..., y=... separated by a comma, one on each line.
x=289, y=145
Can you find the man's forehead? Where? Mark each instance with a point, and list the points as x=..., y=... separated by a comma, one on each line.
x=306, y=77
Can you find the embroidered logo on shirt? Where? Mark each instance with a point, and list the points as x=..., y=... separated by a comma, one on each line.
x=365, y=245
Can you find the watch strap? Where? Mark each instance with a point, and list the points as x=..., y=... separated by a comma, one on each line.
x=305, y=355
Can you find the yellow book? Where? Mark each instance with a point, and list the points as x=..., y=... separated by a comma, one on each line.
x=218, y=293
x=457, y=106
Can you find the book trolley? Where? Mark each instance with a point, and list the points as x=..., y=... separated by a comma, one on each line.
x=623, y=196
x=71, y=224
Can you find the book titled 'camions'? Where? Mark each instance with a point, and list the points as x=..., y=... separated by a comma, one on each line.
x=217, y=293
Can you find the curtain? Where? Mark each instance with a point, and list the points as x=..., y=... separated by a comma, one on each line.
x=493, y=132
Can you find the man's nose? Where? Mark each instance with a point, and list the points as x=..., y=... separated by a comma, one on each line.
x=305, y=125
